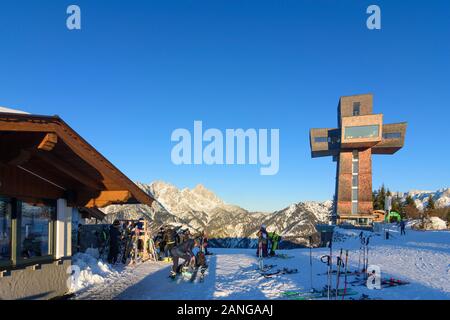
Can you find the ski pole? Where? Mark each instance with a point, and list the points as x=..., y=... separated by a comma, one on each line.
x=338, y=274
x=367, y=255
x=330, y=267
x=363, y=244
x=310, y=262
x=346, y=271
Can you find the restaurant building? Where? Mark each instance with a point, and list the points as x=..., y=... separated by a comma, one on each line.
x=48, y=174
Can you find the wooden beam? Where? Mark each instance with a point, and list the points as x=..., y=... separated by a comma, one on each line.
x=106, y=198
x=49, y=142
x=51, y=160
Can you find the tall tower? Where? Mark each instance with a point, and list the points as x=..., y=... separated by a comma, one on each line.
x=359, y=134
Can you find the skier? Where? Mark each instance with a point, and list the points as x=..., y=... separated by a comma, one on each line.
x=262, y=241
x=170, y=238
x=402, y=227
x=159, y=242
x=114, y=240
x=185, y=252
x=204, y=243
x=274, y=239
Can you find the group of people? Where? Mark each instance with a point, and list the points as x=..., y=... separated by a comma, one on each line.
x=176, y=243
x=125, y=240
x=266, y=239
x=168, y=237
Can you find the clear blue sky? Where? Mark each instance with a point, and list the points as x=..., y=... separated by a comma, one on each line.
x=140, y=69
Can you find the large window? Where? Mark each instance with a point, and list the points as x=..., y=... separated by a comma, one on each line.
x=358, y=132
x=392, y=135
x=5, y=230
x=36, y=230
x=320, y=139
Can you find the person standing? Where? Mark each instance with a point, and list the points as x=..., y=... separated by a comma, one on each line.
x=402, y=227
x=262, y=241
x=114, y=241
x=274, y=239
x=170, y=238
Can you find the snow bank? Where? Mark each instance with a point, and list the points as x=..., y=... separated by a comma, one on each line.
x=433, y=223
x=89, y=270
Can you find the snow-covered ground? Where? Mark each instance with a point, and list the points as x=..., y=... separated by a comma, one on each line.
x=422, y=258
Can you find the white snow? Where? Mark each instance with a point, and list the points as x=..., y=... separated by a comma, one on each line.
x=423, y=258
x=432, y=223
x=92, y=271
x=9, y=110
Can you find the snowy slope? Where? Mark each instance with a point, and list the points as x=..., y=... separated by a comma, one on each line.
x=423, y=258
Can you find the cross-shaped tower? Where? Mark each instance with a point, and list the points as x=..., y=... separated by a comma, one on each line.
x=360, y=134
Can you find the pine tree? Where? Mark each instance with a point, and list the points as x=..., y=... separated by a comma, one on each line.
x=409, y=201
x=396, y=205
x=382, y=196
x=430, y=204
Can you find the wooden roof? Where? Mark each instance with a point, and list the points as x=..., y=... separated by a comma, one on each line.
x=46, y=148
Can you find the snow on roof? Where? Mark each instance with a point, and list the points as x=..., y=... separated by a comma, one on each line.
x=8, y=110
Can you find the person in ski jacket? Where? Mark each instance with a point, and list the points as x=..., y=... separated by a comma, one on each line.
x=114, y=240
x=274, y=239
x=204, y=243
x=402, y=227
x=185, y=252
x=262, y=241
x=159, y=242
x=170, y=239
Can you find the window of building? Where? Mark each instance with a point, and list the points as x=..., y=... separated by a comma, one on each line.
x=354, y=207
x=355, y=181
x=392, y=135
x=355, y=167
x=358, y=132
x=354, y=194
x=321, y=139
x=5, y=230
x=36, y=229
x=356, y=108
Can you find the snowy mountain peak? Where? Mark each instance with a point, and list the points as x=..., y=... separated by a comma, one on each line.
x=227, y=225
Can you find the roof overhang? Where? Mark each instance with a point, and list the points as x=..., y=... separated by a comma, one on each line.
x=47, y=148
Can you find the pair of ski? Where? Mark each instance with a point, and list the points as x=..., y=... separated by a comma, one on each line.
x=282, y=256
x=266, y=267
x=278, y=272
x=364, y=252
x=318, y=294
x=385, y=282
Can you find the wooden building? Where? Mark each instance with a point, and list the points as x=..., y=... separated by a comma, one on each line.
x=48, y=172
x=359, y=135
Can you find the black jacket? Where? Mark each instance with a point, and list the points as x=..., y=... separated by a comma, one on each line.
x=114, y=235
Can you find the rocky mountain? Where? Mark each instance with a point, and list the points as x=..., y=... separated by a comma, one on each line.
x=441, y=197
x=227, y=225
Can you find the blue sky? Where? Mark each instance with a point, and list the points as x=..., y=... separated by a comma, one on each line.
x=140, y=69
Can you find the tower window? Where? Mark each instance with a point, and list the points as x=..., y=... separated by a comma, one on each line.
x=356, y=108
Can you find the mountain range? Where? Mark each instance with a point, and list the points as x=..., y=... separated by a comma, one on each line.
x=228, y=225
